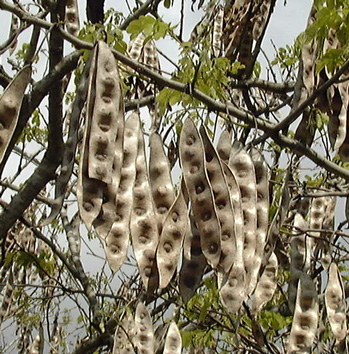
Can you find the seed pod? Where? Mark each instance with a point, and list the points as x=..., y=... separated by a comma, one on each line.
x=175, y=228
x=144, y=333
x=316, y=216
x=266, y=285
x=135, y=47
x=13, y=33
x=123, y=337
x=10, y=105
x=192, y=158
x=217, y=32
x=173, y=343
x=262, y=206
x=117, y=240
x=193, y=263
x=336, y=304
x=89, y=190
x=70, y=146
x=224, y=145
x=35, y=346
x=305, y=320
x=300, y=258
x=222, y=202
x=262, y=9
x=160, y=179
x=150, y=56
x=105, y=119
x=343, y=89
x=72, y=17
x=242, y=166
x=144, y=231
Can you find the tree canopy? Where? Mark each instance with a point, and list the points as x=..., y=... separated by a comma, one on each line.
x=160, y=203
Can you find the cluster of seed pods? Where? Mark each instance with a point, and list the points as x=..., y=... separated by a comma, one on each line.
x=10, y=105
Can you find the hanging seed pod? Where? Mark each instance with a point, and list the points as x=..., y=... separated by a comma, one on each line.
x=222, y=202
x=144, y=230
x=305, y=319
x=262, y=206
x=224, y=145
x=150, y=56
x=175, y=228
x=160, y=179
x=72, y=17
x=144, y=333
x=217, y=32
x=89, y=190
x=173, y=343
x=193, y=263
x=300, y=258
x=242, y=166
x=35, y=346
x=107, y=215
x=10, y=105
x=343, y=89
x=192, y=158
x=105, y=119
x=336, y=304
x=262, y=10
x=117, y=240
x=316, y=216
x=135, y=47
x=70, y=146
x=266, y=285
x=123, y=337
x=13, y=33
x=305, y=131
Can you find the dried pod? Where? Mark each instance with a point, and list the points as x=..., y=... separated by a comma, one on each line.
x=193, y=263
x=242, y=166
x=13, y=33
x=262, y=206
x=72, y=17
x=300, y=257
x=336, y=304
x=173, y=342
x=117, y=240
x=70, y=146
x=224, y=145
x=217, y=32
x=222, y=202
x=135, y=47
x=10, y=105
x=123, y=337
x=35, y=347
x=305, y=319
x=144, y=333
x=192, y=158
x=174, y=229
x=89, y=190
x=105, y=117
x=144, y=230
x=266, y=285
x=261, y=10
x=160, y=178
x=341, y=113
x=150, y=55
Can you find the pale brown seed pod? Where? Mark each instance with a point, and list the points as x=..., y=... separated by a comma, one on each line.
x=173, y=342
x=72, y=17
x=123, y=337
x=261, y=17
x=217, y=32
x=150, y=56
x=266, y=285
x=13, y=33
x=300, y=258
x=10, y=105
x=174, y=229
x=105, y=116
x=224, y=145
x=192, y=159
x=117, y=240
x=341, y=129
x=262, y=206
x=193, y=263
x=160, y=178
x=144, y=230
x=222, y=202
x=144, y=332
x=70, y=146
x=336, y=304
x=134, y=49
x=305, y=319
x=35, y=346
x=89, y=191
x=242, y=166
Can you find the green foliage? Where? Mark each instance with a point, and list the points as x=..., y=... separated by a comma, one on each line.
x=34, y=131
x=152, y=28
